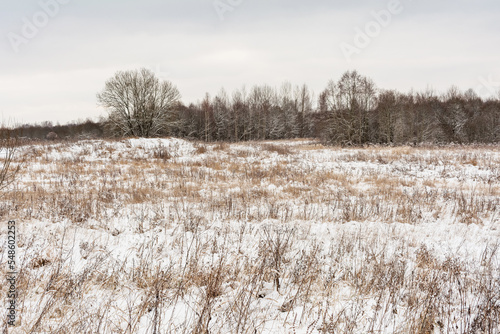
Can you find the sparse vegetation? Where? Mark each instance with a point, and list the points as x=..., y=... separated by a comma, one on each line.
x=166, y=236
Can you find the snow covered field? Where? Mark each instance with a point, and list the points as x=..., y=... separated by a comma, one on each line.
x=169, y=236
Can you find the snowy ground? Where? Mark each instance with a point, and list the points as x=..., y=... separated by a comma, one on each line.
x=169, y=236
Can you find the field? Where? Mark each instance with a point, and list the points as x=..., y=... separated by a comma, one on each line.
x=171, y=236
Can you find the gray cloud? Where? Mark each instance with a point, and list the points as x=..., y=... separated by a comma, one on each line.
x=56, y=75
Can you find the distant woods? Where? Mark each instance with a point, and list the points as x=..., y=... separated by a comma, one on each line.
x=87, y=129
x=350, y=111
x=355, y=112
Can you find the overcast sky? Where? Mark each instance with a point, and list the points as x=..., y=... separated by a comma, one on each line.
x=57, y=54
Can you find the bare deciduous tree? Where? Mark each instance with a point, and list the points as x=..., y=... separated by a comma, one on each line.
x=139, y=104
x=304, y=106
x=223, y=117
x=239, y=108
x=387, y=114
x=349, y=101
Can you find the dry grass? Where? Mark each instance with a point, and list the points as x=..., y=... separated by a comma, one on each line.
x=280, y=149
x=233, y=239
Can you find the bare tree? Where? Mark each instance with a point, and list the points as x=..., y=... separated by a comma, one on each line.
x=139, y=104
x=283, y=116
x=349, y=102
x=303, y=102
x=452, y=117
x=387, y=114
x=424, y=121
x=223, y=118
x=240, y=111
x=208, y=111
x=357, y=96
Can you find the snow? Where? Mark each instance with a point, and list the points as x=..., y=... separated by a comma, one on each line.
x=350, y=210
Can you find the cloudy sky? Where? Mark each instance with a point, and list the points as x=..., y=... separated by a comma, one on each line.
x=57, y=54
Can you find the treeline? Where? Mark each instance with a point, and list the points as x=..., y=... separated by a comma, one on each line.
x=350, y=111
x=261, y=113
x=87, y=129
x=357, y=113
